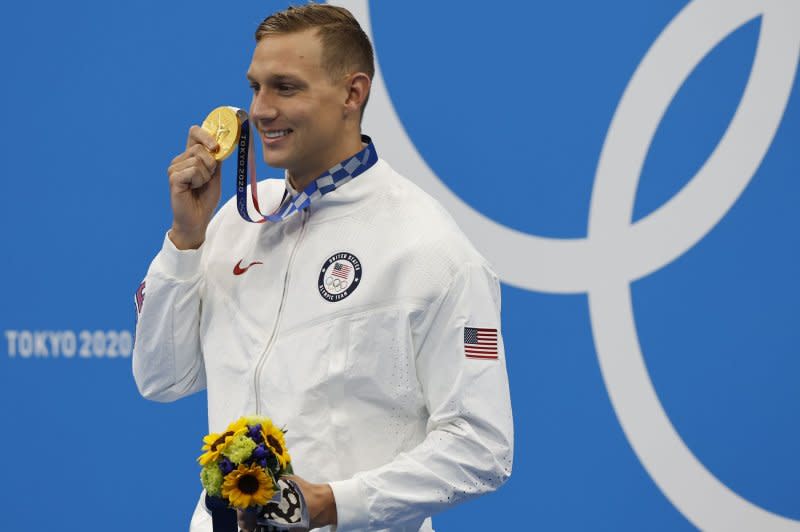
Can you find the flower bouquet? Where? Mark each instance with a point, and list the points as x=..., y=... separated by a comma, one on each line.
x=243, y=464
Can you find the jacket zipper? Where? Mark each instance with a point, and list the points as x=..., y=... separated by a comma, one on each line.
x=287, y=276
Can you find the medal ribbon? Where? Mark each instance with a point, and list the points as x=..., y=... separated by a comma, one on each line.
x=330, y=180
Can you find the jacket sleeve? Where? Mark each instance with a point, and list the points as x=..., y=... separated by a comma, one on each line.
x=167, y=358
x=468, y=449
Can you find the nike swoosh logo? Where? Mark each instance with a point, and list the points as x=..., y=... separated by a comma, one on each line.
x=238, y=270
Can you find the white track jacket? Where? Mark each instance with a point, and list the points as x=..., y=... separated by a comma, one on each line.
x=378, y=377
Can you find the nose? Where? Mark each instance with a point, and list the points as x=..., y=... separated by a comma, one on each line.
x=262, y=107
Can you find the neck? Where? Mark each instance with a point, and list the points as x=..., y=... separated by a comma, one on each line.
x=300, y=180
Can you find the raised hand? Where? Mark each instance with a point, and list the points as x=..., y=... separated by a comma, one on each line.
x=194, y=185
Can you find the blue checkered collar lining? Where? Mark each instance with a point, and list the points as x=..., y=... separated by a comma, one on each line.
x=330, y=180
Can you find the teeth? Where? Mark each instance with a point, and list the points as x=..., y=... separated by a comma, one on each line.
x=276, y=134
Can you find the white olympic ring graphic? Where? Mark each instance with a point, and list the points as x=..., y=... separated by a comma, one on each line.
x=336, y=283
x=616, y=251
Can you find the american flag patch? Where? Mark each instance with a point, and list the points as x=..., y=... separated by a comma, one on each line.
x=341, y=269
x=480, y=343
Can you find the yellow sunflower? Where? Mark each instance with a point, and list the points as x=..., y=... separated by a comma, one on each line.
x=238, y=425
x=215, y=443
x=273, y=437
x=247, y=486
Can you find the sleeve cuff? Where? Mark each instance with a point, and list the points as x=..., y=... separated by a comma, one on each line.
x=175, y=263
x=352, y=512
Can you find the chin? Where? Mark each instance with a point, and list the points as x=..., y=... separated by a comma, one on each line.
x=275, y=161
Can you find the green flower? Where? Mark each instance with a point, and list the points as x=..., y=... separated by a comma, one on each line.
x=211, y=477
x=240, y=449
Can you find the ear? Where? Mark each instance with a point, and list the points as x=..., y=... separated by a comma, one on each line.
x=358, y=86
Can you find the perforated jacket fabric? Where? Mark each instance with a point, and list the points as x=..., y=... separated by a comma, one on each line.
x=374, y=388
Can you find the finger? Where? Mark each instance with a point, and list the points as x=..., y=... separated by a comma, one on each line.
x=198, y=135
x=188, y=162
x=191, y=144
x=180, y=157
x=192, y=164
x=201, y=176
x=202, y=153
x=190, y=178
x=180, y=181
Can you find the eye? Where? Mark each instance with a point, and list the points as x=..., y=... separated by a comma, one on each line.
x=285, y=88
x=254, y=87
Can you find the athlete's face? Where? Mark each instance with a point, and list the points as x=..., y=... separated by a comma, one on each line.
x=297, y=108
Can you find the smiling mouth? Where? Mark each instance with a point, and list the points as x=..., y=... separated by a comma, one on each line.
x=275, y=134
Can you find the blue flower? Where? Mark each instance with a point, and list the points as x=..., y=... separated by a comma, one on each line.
x=225, y=465
x=254, y=431
x=260, y=452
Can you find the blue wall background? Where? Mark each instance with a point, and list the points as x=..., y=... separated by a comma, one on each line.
x=510, y=106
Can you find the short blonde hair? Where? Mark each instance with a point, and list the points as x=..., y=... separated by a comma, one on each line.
x=345, y=46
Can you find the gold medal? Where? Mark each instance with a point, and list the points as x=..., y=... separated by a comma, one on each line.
x=225, y=123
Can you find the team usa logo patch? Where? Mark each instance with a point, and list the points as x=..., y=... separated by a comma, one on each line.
x=339, y=276
x=480, y=342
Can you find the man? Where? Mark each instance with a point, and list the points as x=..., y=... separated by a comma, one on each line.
x=366, y=323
